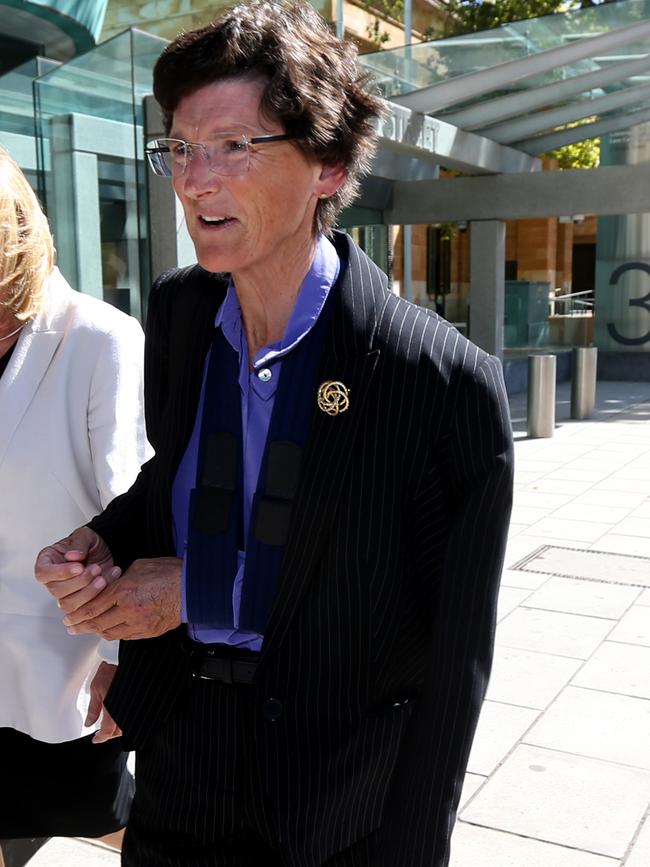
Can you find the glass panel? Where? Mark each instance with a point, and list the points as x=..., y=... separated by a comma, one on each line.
x=373, y=240
x=526, y=324
x=90, y=149
x=401, y=70
x=16, y=98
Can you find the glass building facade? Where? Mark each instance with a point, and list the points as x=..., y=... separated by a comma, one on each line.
x=75, y=122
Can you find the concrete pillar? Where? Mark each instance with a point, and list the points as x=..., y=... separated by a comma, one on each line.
x=169, y=242
x=487, y=284
x=407, y=241
x=74, y=210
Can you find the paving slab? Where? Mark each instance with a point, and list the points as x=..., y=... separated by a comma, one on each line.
x=579, y=471
x=600, y=725
x=640, y=853
x=564, y=528
x=515, y=528
x=538, y=500
x=524, y=580
x=565, y=799
x=618, y=543
x=621, y=668
x=643, y=510
x=624, y=499
x=559, y=486
x=471, y=784
x=528, y=515
x=593, y=598
x=633, y=484
x=644, y=598
x=634, y=627
x=601, y=514
x=553, y=632
x=70, y=852
x=598, y=564
x=633, y=527
x=528, y=679
x=536, y=542
x=520, y=547
x=500, y=728
x=509, y=599
x=473, y=846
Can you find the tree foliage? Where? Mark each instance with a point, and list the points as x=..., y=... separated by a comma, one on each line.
x=382, y=10
x=581, y=155
x=470, y=16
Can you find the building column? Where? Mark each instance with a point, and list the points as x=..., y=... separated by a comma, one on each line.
x=74, y=211
x=407, y=247
x=169, y=242
x=487, y=284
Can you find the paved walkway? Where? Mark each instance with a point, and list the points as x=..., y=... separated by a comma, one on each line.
x=559, y=775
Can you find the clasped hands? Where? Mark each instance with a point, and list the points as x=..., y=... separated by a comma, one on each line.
x=96, y=597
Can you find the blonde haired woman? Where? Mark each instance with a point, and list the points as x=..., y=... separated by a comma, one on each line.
x=71, y=438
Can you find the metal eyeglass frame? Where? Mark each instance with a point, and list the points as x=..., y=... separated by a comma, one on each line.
x=153, y=148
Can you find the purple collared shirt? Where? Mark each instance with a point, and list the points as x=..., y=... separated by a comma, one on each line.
x=257, y=389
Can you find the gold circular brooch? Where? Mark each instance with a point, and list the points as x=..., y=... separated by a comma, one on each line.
x=333, y=397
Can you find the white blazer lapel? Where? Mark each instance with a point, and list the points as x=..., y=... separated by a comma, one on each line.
x=27, y=366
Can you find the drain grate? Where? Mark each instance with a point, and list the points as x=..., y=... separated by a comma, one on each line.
x=587, y=565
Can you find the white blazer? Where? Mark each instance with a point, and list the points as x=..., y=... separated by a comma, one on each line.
x=71, y=438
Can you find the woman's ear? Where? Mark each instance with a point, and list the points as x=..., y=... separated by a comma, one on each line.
x=329, y=180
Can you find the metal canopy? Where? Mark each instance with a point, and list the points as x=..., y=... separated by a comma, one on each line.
x=522, y=86
x=516, y=130
x=412, y=146
x=515, y=104
x=445, y=93
x=604, y=191
x=587, y=130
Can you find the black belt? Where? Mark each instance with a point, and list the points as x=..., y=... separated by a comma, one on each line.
x=221, y=662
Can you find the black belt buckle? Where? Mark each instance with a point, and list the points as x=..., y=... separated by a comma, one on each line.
x=208, y=666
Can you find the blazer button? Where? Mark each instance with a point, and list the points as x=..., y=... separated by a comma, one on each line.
x=272, y=709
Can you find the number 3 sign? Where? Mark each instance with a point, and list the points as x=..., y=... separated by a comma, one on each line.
x=643, y=301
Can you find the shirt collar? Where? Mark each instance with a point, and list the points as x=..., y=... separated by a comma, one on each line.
x=310, y=301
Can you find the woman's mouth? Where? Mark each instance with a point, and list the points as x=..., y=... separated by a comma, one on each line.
x=215, y=222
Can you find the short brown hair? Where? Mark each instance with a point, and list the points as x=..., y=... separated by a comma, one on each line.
x=314, y=88
x=26, y=247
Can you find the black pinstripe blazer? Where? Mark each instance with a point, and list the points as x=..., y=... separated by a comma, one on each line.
x=380, y=639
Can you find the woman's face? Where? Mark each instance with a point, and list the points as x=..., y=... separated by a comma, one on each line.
x=266, y=214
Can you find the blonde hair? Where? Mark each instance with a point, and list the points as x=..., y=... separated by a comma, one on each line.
x=26, y=246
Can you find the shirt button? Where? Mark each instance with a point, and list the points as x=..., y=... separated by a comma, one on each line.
x=272, y=709
x=264, y=375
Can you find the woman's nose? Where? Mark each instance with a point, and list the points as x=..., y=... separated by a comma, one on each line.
x=198, y=179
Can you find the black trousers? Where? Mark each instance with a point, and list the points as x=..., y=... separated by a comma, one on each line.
x=70, y=789
x=200, y=799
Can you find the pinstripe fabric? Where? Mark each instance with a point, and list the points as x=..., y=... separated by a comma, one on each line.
x=200, y=798
x=380, y=639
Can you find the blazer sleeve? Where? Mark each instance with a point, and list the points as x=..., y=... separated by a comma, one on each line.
x=478, y=459
x=121, y=524
x=116, y=428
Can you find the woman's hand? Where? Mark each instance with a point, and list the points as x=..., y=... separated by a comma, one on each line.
x=144, y=603
x=98, y=688
x=76, y=569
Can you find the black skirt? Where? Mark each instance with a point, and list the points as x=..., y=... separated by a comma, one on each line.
x=71, y=789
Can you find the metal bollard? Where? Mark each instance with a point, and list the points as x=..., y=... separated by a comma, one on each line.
x=541, y=396
x=584, y=363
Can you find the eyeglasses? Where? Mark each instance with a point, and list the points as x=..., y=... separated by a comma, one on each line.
x=227, y=154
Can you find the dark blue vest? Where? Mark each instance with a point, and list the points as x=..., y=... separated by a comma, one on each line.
x=215, y=528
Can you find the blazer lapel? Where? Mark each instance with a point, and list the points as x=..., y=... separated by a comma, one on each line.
x=350, y=359
x=21, y=379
